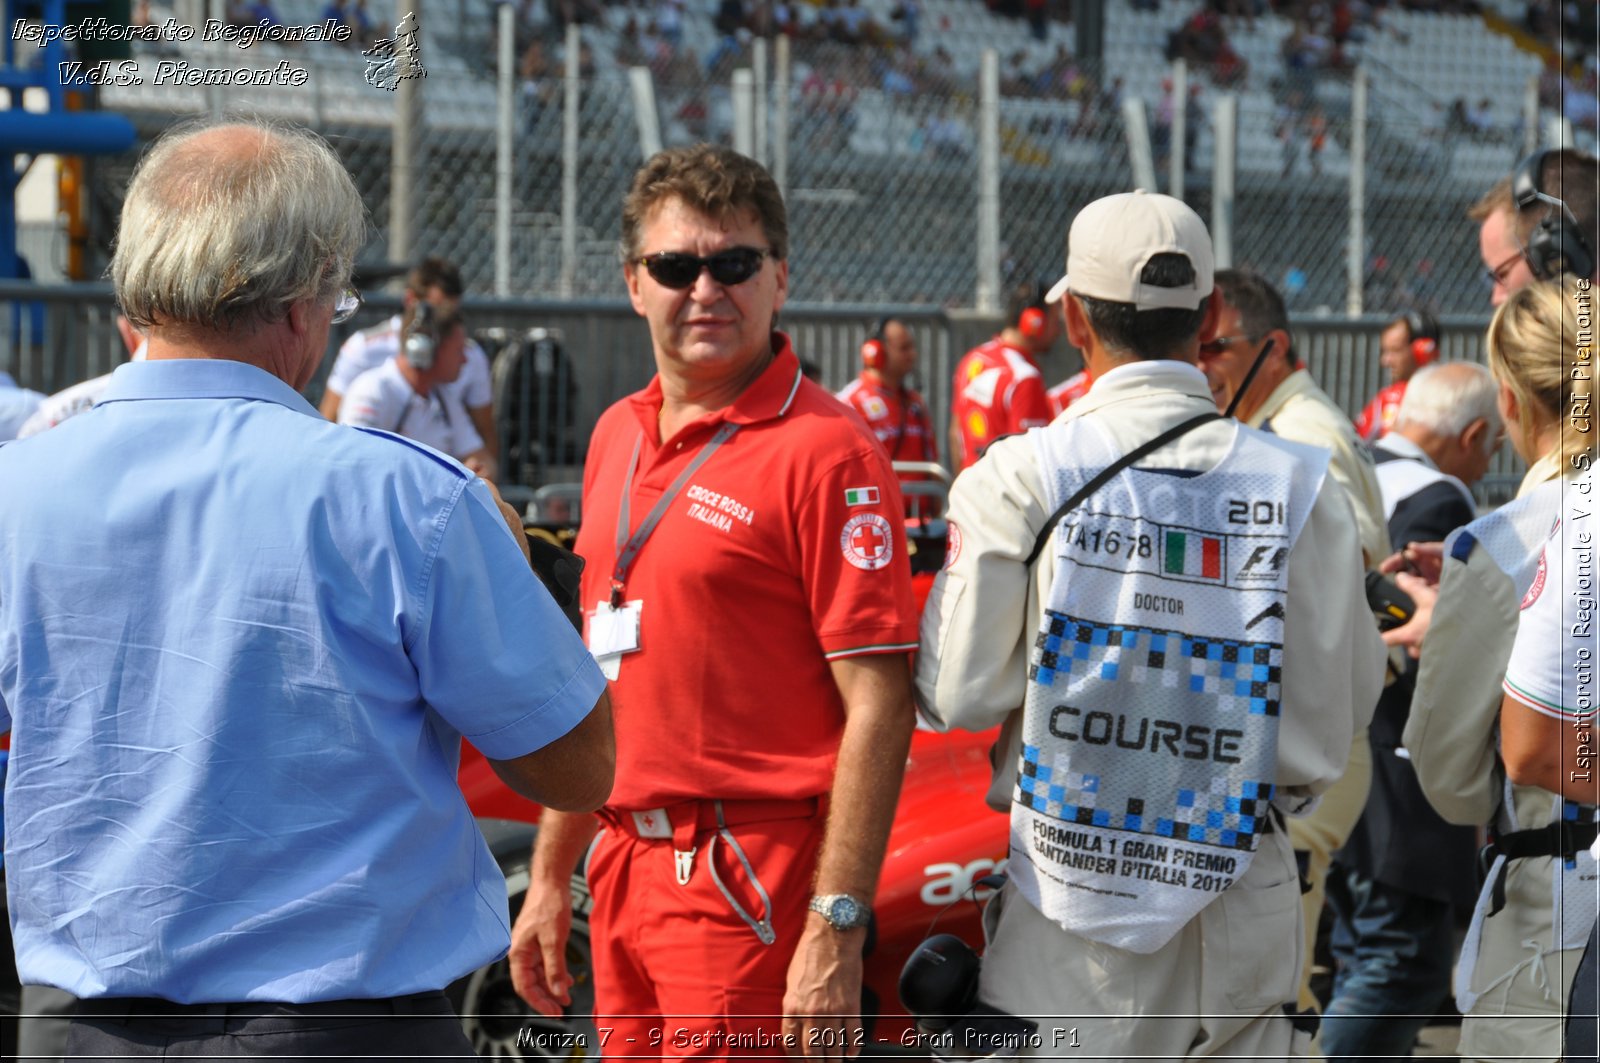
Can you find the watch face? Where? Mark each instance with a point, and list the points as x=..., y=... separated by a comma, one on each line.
x=844, y=912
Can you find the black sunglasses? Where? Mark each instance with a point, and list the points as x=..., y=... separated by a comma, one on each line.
x=675, y=269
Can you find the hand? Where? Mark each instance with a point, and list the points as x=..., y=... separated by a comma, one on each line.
x=1411, y=633
x=513, y=521
x=1419, y=559
x=822, y=1004
x=482, y=463
x=539, y=948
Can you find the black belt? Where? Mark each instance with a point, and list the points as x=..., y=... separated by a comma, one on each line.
x=133, y=1009
x=1564, y=838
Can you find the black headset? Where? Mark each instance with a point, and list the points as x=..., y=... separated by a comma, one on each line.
x=420, y=346
x=1557, y=244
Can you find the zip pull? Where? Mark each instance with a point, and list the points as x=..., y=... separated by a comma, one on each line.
x=685, y=862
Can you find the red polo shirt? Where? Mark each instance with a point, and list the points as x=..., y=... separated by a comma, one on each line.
x=897, y=416
x=998, y=392
x=783, y=551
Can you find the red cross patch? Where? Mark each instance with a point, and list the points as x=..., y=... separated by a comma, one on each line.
x=867, y=541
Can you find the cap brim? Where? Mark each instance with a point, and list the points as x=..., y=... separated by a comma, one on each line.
x=1057, y=290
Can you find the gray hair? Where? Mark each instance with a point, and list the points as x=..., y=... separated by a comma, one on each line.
x=226, y=225
x=1447, y=397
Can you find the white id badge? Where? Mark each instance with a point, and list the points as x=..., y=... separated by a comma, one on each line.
x=612, y=633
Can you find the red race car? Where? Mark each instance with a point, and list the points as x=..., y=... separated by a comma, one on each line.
x=943, y=841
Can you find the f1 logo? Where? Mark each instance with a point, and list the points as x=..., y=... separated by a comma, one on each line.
x=1269, y=558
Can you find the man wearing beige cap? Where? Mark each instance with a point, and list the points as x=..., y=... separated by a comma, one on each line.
x=1157, y=728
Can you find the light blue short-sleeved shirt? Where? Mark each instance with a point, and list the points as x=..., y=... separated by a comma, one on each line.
x=238, y=648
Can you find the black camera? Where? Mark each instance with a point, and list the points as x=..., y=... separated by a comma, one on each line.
x=939, y=988
x=1390, y=605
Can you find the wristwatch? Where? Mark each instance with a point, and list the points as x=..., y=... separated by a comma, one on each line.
x=842, y=911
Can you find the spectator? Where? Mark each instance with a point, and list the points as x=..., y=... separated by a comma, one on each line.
x=309, y=619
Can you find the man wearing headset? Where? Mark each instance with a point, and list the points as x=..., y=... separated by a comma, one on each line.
x=998, y=390
x=409, y=395
x=1406, y=344
x=1540, y=222
x=894, y=410
x=435, y=281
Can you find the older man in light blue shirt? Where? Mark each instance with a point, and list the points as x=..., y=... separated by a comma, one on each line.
x=239, y=648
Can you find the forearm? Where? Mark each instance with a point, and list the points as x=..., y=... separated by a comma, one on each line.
x=563, y=839
x=866, y=783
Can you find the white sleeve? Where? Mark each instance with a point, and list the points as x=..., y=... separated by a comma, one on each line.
x=367, y=404
x=476, y=383
x=353, y=360
x=1551, y=670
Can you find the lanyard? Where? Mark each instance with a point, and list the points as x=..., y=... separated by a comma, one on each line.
x=628, y=546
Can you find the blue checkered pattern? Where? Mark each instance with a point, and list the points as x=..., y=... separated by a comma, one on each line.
x=1239, y=675
x=1219, y=817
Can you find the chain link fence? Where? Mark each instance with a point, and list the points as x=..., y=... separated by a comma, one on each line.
x=880, y=150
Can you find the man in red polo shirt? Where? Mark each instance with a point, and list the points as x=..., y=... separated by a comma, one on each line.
x=749, y=595
x=881, y=395
x=998, y=390
x=1406, y=344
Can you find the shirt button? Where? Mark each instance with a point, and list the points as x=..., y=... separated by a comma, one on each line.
x=680, y=446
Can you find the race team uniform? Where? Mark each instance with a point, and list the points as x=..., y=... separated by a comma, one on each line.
x=783, y=551
x=334, y=663
x=1379, y=415
x=1298, y=410
x=383, y=398
x=371, y=347
x=1534, y=913
x=1153, y=900
x=998, y=392
x=1068, y=391
x=898, y=417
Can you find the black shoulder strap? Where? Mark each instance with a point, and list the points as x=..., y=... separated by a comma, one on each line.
x=1111, y=470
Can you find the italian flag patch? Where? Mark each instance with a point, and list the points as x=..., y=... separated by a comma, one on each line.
x=1192, y=554
x=861, y=496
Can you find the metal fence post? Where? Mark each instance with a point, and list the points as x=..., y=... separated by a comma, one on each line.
x=569, y=167
x=1530, y=117
x=644, y=109
x=1225, y=143
x=403, y=152
x=1140, y=157
x=758, y=67
x=780, y=117
x=988, y=293
x=502, y=176
x=744, y=119
x=1356, y=252
x=1176, y=158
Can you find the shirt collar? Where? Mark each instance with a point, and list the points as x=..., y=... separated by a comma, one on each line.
x=768, y=398
x=1401, y=447
x=1297, y=382
x=201, y=378
x=1142, y=380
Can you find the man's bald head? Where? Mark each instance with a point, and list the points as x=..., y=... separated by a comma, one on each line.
x=1449, y=411
x=225, y=226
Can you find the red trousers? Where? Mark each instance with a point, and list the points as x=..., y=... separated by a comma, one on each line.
x=678, y=972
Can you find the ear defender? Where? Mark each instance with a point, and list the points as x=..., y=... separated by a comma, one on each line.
x=419, y=347
x=1033, y=323
x=873, y=354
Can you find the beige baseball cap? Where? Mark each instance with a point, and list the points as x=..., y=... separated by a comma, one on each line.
x=1111, y=239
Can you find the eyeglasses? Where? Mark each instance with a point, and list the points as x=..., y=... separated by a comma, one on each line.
x=345, y=307
x=677, y=270
x=1220, y=344
x=1498, y=275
